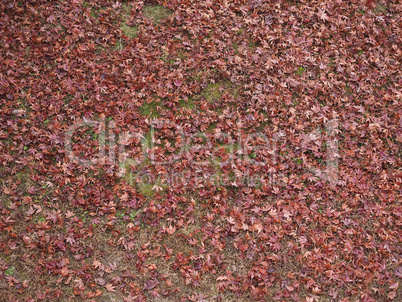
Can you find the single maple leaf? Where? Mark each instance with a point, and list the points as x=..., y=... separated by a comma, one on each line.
x=97, y=264
x=110, y=287
x=98, y=292
x=150, y=284
x=64, y=271
x=51, y=216
x=257, y=227
x=171, y=230
x=394, y=285
x=69, y=214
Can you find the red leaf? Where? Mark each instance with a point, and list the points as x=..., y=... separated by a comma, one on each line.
x=110, y=287
x=369, y=3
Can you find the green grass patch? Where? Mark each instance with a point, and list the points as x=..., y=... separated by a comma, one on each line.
x=94, y=13
x=22, y=104
x=165, y=57
x=214, y=91
x=220, y=178
x=99, y=49
x=236, y=47
x=171, y=59
x=119, y=45
x=146, y=142
x=24, y=176
x=187, y=104
x=133, y=214
x=211, y=127
x=331, y=62
x=298, y=160
x=129, y=31
x=348, y=90
x=148, y=188
x=68, y=98
x=143, y=184
x=300, y=70
x=10, y=271
x=380, y=9
x=128, y=175
x=217, y=177
x=182, y=55
x=251, y=44
x=230, y=148
x=89, y=133
x=157, y=13
x=150, y=109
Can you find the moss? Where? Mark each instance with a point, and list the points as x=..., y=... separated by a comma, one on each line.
x=157, y=13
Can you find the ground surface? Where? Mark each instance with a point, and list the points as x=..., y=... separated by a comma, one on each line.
x=200, y=150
